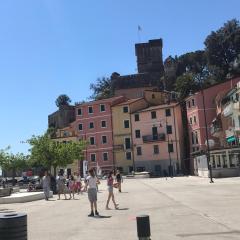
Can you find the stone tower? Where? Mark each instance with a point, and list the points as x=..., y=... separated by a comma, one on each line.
x=149, y=56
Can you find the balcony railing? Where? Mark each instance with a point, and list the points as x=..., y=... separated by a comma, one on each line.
x=154, y=138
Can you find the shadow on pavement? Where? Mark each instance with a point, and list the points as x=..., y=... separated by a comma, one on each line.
x=101, y=216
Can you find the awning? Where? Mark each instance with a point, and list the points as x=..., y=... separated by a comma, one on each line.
x=231, y=139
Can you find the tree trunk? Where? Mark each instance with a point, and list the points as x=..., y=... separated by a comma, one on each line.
x=55, y=171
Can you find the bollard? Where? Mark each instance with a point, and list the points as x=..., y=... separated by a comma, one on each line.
x=143, y=227
x=13, y=226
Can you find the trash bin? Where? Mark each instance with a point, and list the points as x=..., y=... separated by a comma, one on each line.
x=143, y=227
x=13, y=226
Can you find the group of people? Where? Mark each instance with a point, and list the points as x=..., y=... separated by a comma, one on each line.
x=73, y=184
x=70, y=185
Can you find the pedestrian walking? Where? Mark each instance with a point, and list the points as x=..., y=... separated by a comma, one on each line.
x=78, y=183
x=46, y=185
x=71, y=186
x=119, y=180
x=91, y=185
x=61, y=186
x=110, y=191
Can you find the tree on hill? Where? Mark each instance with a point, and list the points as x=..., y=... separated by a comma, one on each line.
x=62, y=100
x=102, y=88
x=223, y=48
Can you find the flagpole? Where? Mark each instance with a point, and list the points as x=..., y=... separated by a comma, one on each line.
x=139, y=36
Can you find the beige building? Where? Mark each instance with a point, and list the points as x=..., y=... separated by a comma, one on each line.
x=67, y=134
x=122, y=136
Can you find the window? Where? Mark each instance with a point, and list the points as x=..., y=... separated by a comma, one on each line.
x=102, y=108
x=153, y=115
x=137, y=134
x=153, y=96
x=154, y=133
x=104, y=124
x=168, y=112
x=218, y=161
x=194, y=119
x=79, y=111
x=193, y=102
x=169, y=129
x=170, y=147
x=192, y=138
x=105, y=156
x=92, y=140
x=136, y=117
x=91, y=125
x=139, y=151
x=125, y=109
x=196, y=137
x=93, y=157
x=104, y=139
x=189, y=104
x=156, y=149
x=126, y=123
x=128, y=155
x=80, y=126
x=90, y=110
x=127, y=143
x=190, y=120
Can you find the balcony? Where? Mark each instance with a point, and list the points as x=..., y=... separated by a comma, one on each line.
x=154, y=138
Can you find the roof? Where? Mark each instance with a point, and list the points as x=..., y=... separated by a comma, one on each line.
x=163, y=106
x=112, y=99
x=216, y=84
x=130, y=101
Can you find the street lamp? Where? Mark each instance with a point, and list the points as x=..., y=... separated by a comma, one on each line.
x=206, y=132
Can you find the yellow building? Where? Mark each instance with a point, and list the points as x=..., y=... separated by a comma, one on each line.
x=67, y=134
x=122, y=135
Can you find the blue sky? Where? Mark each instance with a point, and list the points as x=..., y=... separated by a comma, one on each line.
x=50, y=47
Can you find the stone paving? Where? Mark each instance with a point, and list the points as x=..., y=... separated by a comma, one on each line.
x=180, y=208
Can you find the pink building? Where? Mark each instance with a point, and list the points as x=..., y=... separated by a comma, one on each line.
x=94, y=124
x=157, y=139
x=195, y=116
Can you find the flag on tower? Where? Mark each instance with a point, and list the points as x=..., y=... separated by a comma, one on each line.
x=139, y=28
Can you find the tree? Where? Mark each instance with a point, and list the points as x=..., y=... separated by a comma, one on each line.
x=13, y=162
x=103, y=88
x=186, y=84
x=49, y=154
x=62, y=100
x=222, y=48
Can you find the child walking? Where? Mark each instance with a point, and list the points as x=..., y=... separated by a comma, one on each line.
x=110, y=191
x=71, y=186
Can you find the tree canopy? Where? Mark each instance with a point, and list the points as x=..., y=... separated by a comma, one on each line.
x=49, y=153
x=13, y=162
x=223, y=48
x=62, y=100
x=102, y=88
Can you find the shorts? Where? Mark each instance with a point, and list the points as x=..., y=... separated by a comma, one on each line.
x=92, y=194
x=110, y=189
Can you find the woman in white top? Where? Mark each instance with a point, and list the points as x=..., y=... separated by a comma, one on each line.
x=91, y=184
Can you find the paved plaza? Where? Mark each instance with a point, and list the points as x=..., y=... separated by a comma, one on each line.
x=180, y=208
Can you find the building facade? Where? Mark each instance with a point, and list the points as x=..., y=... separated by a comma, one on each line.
x=122, y=133
x=157, y=132
x=196, y=117
x=94, y=124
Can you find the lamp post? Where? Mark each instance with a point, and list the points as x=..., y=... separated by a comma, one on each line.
x=206, y=132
